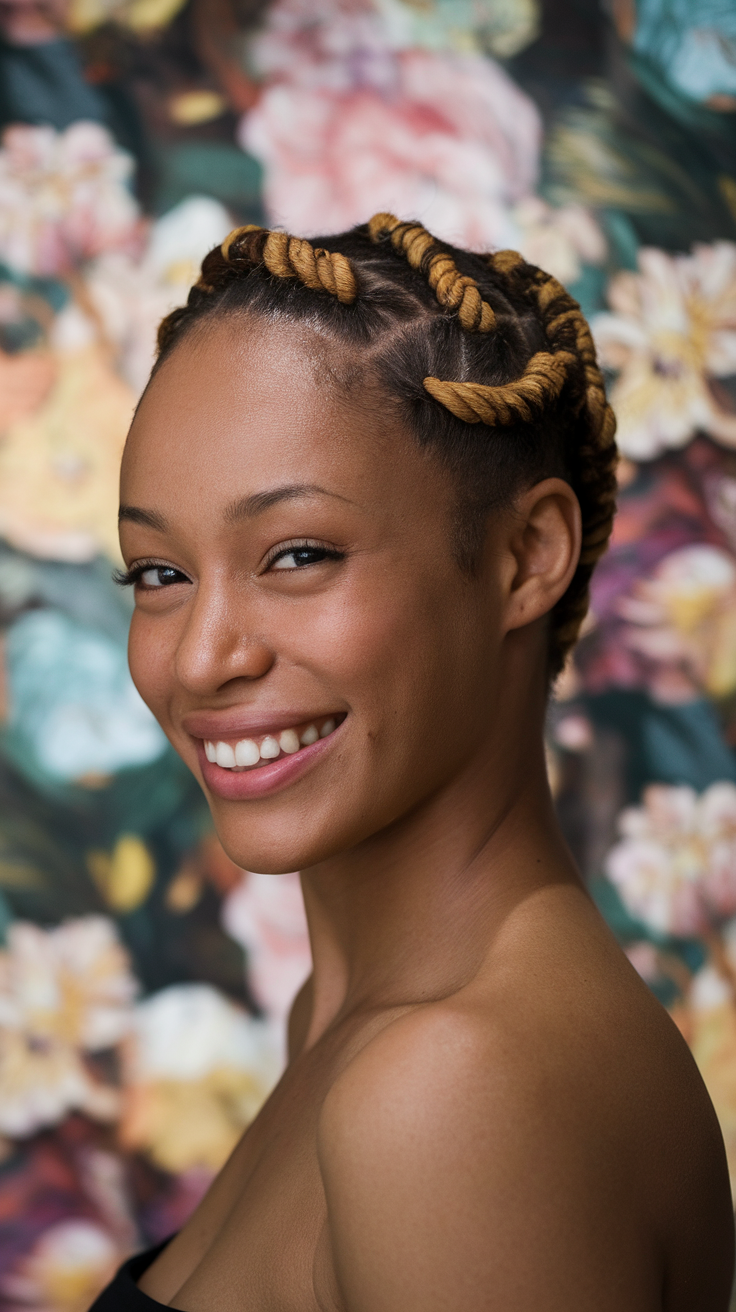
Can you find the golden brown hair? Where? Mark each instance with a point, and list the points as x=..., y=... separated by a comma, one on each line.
x=487, y=358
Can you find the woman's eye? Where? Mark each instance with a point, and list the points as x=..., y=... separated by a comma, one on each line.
x=159, y=576
x=149, y=577
x=297, y=557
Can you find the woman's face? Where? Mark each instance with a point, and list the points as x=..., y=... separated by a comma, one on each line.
x=299, y=613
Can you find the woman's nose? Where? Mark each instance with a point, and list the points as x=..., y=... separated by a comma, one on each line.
x=216, y=648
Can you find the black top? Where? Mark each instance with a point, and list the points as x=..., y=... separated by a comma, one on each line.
x=123, y=1294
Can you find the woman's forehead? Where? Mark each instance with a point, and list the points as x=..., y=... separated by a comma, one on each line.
x=223, y=387
x=243, y=359
x=234, y=413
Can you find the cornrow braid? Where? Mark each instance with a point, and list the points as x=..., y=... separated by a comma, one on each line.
x=503, y=408
x=295, y=257
x=522, y=401
x=453, y=290
x=526, y=398
x=282, y=255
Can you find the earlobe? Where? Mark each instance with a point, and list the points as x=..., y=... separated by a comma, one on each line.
x=544, y=542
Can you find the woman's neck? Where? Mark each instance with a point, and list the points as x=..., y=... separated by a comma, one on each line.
x=410, y=914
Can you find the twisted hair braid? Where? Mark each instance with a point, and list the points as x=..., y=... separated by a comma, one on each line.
x=526, y=398
x=282, y=255
x=504, y=408
x=564, y=323
x=453, y=290
x=293, y=257
x=523, y=400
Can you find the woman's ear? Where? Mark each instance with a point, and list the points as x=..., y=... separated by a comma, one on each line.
x=542, y=548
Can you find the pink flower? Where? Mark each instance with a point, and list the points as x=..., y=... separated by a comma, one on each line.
x=64, y=197
x=449, y=139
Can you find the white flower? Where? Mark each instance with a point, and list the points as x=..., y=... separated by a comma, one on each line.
x=197, y=1069
x=63, y=992
x=675, y=866
x=683, y=619
x=64, y=197
x=558, y=240
x=709, y=990
x=265, y=914
x=65, y=1270
x=188, y=1030
x=671, y=331
x=132, y=295
x=180, y=239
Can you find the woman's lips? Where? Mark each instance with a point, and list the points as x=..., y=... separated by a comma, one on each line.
x=236, y=783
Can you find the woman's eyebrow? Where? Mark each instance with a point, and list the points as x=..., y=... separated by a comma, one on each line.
x=148, y=518
x=243, y=508
x=257, y=502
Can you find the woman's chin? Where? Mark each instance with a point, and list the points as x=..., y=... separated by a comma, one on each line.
x=271, y=856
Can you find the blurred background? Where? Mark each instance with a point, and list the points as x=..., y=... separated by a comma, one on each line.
x=144, y=979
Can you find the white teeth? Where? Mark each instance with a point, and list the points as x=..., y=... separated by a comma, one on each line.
x=246, y=752
x=225, y=756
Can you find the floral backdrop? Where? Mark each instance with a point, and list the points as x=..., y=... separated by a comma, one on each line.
x=144, y=979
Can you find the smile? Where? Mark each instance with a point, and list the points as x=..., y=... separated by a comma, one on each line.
x=250, y=753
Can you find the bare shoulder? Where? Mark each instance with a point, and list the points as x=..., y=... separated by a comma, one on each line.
x=543, y=1140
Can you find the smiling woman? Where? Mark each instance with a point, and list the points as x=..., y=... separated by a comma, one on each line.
x=363, y=496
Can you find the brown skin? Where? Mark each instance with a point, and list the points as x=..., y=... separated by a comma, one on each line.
x=484, y=1108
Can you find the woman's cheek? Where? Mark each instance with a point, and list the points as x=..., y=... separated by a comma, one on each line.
x=150, y=666
x=387, y=657
x=372, y=627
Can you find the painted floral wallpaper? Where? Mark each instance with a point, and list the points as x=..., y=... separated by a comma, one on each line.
x=144, y=979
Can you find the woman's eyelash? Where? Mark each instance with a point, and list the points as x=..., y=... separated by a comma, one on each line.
x=305, y=549
x=127, y=578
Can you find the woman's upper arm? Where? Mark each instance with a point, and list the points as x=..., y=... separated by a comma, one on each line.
x=455, y=1179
